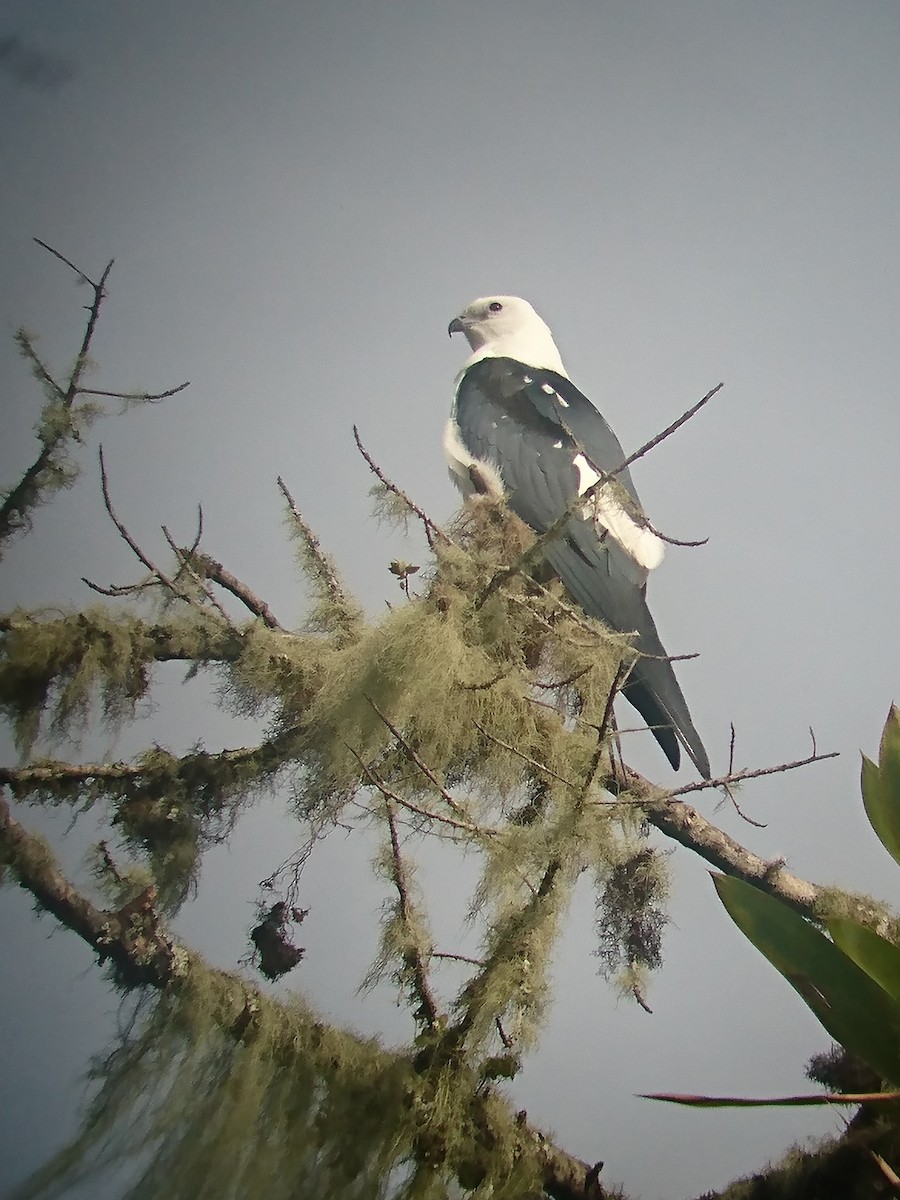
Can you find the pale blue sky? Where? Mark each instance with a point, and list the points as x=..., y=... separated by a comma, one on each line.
x=299, y=197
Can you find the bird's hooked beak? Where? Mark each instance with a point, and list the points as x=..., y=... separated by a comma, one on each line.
x=455, y=326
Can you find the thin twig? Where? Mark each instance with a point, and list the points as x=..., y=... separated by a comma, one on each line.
x=414, y=758
x=740, y=812
x=78, y=271
x=198, y=536
x=507, y=1041
x=463, y=958
x=668, y=431
x=27, y=493
x=482, y=687
x=536, y=550
x=619, y=679
x=664, y=537
x=557, y=684
x=639, y=996
x=431, y=529
x=187, y=568
x=532, y=762
x=324, y=567
x=137, y=397
x=139, y=554
x=750, y=773
x=116, y=589
x=390, y=794
x=597, y=636
x=608, y=721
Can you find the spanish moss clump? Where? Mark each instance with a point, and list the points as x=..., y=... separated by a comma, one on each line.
x=57, y=668
x=276, y=953
x=631, y=916
x=54, y=671
x=840, y=1071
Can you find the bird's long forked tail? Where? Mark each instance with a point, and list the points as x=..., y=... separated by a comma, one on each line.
x=654, y=691
x=594, y=578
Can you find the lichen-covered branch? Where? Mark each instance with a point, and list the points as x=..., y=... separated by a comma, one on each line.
x=52, y=670
x=415, y=947
x=335, y=605
x=224, y=1018
x=687, y=826
x=132, y=939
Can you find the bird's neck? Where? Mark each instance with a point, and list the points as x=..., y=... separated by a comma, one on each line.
x=531, y=348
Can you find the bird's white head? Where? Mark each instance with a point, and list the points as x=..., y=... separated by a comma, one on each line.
x=507, y=327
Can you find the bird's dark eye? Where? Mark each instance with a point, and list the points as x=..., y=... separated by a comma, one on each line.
x=495, y=306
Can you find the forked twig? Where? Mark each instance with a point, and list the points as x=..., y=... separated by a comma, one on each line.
x=751, y=773
x=390, y=794
x=414, y=758
x=532, y=762
x=186, y=568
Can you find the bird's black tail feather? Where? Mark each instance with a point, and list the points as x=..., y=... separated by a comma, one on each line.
x=667, y=726
x=602, y=580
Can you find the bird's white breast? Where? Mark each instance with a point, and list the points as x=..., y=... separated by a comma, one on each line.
x=461, y=462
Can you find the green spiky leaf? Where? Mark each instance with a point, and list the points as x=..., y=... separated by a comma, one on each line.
x=850, y=1005
x=879, y=958
x=881, y=786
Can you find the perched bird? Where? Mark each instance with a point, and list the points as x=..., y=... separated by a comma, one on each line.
x=520, y=430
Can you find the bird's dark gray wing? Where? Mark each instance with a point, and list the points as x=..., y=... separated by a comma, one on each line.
x=530, y=424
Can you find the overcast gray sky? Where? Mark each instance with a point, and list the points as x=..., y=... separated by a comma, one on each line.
x=299, y=196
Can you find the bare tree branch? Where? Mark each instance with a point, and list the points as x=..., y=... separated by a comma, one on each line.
x=211, y=569
x=664, y=537
x=163, y=578
x=136, y=397
x=78, y=271
x=186, y=567
x=668, y=431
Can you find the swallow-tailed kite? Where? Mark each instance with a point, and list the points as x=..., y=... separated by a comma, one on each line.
x=522, y=431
